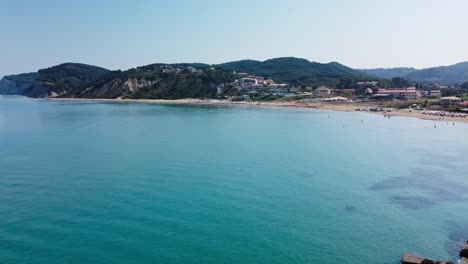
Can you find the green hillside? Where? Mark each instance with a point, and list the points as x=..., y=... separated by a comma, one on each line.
x=457, y=73
x=68, y=77
x=389, y=73
x=296, y=71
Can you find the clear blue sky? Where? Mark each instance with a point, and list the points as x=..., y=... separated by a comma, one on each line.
x=123, y=34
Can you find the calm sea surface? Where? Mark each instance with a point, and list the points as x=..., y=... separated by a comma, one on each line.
x=88, y=182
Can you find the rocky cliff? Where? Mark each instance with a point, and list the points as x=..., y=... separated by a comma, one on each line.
x=22, y=84
x=155, y=81
x=52, y=82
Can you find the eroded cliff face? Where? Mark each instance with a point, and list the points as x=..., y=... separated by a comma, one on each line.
x=116, y=88
x=134, y=84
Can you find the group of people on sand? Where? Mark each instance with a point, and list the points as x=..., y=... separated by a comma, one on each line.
x=444, y=114
x=375, y=109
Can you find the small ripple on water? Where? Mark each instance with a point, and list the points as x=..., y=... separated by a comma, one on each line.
x=412, y=202
x=350, y=208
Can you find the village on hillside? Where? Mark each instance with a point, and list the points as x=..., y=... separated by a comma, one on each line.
x=429, y=99
x=254, y=88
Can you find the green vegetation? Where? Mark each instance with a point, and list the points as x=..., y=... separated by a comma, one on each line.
x=160, y=81
x=155, y=81
x=451, y=92
x=69, y=76
x=399, y=82
x=464, y=86
x=453, y=74
x=61, y=79
x=389, y=73
x=456, y=73
x=21, y=84
x=297, y=71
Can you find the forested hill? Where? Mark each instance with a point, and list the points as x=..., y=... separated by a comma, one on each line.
x=67, y=77
x=54, y=81
x=160, y=81
x=453, y=74
x=389, y=73
x=155, y=81
x=457, y=73
x=297, y=71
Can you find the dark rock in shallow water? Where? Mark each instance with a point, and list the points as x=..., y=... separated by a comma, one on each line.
x=350, y=208
x=415, y=259
x=458, y=232
x=411, y=259
x=464, y=252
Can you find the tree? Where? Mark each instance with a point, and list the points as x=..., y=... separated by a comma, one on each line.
x=464, y=86
x=399, y=82
x=451, y=92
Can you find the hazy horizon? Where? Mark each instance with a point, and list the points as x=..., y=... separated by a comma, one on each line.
x=120, y=34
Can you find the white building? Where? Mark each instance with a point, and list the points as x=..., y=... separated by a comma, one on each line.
x=247, y=81
x=435, y=93
x=322, y=91
x=450, y=100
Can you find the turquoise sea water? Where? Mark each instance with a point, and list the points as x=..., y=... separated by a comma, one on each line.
x=87, y=182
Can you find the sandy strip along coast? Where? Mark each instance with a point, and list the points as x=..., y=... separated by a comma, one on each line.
x=317, y=105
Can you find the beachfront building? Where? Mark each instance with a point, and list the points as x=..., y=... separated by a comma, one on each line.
x=450, y=100
x=369, y=91
x=247, y=81
x=322, y=91
x=409, y=93
x=435, y=93
x=278, y=88
x=293, y=89
x=441, y=86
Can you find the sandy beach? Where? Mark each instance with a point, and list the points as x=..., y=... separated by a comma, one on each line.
x=332, y=106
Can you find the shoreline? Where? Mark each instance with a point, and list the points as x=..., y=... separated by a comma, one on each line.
x=343, y=107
